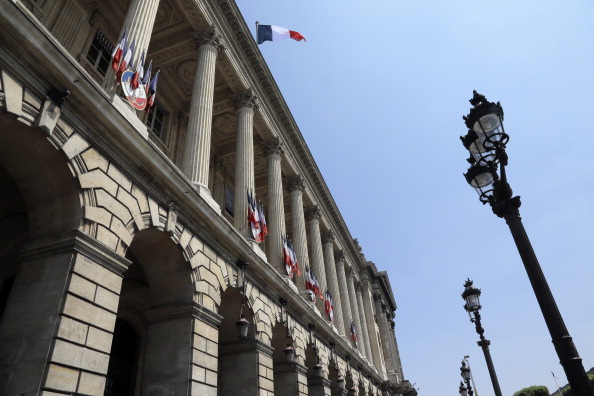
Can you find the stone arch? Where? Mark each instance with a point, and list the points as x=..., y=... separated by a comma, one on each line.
x=42, y=176
x=156, y=300
x=288, y=377
x=238, y=359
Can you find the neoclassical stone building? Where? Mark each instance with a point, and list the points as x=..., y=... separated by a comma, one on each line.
x=126, y=256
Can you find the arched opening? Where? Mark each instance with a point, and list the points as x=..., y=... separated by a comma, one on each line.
x=39, y=204
x=317, y=385
x=337, y=382
x=155, y=305
x=286, y=375
x=238, y=359
x=123, y=360
x=13, y=233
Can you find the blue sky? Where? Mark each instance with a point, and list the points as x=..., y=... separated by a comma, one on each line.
x=379, y=90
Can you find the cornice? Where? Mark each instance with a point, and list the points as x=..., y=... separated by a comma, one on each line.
x=287, y=126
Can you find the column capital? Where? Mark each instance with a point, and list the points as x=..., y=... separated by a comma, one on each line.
x=349, y=271
x=246, y=98
x=210, y=37
x=327, y=237
x=296, y=183
x=339, y=255
x=274, y=146
x=313, y=213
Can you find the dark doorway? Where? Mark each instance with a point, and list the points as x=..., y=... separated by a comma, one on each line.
x=123, y=362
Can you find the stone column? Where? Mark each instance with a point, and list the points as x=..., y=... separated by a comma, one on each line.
x=332, y=278
x=196, y=155
x=245, y=104
x=296, y=186
x=344, y=293
x=276, y=209
x=363, y=319
x=314, y=215
x=355, y=311
x=394, y=345
x=389, y=357
x=370, y=317
x=139, y=23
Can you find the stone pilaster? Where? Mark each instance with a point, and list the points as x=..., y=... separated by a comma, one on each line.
x=313, y=215
x=290, y=379
x=296, y=186
x=245, y=104
x=332, y=278
x=373, y=336
x=319, y=386
x=196, y=155
x=363, y=319
x=344, y=293
x=276, y=209
x=355, y=311
x=139, y=23
x=57, y=327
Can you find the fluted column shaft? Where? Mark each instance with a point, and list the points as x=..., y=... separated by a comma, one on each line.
x=389, y=356
x=394, y=345
x=363, y=320
x=317, y=255
x=373, y=341
x=296, y=187
x=332, y=278
x=276, y=208
x=138, y=25
x=197, y=149
x=355, y=312
x=343, y=291
x=244, y=159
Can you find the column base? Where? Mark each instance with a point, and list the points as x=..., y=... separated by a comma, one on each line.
x=289, y=282
x=258, y=250
x=126, y=111
x=306, y=295
x=205, y=194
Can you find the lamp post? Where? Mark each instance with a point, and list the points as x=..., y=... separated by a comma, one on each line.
x=465, y=373
x=466, y=357
x=462, y=389
x=486, y=141
x=471, y=296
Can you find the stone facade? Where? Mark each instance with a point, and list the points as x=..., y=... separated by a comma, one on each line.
x=122, y=249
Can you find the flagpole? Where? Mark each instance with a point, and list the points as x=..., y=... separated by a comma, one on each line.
x=556, y=383
x=257, y=24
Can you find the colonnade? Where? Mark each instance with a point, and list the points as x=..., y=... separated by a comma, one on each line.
x=352, y=289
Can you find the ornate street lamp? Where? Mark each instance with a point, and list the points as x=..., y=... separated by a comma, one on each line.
x=472, y=297
x=462, y=389
x=486, y=141
x=242, y=324
x=465, y=373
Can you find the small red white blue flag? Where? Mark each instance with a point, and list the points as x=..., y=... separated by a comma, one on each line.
x=275, y=33
x=329, y=305
x=139, y=73
x=152, y=92
x=116, y=56
x=354, y=333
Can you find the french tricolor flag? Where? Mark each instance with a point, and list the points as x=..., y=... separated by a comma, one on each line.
x=275, y=33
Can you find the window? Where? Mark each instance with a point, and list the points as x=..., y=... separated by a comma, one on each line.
x=99, y=54
x=156, y=120
x=229, y=199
